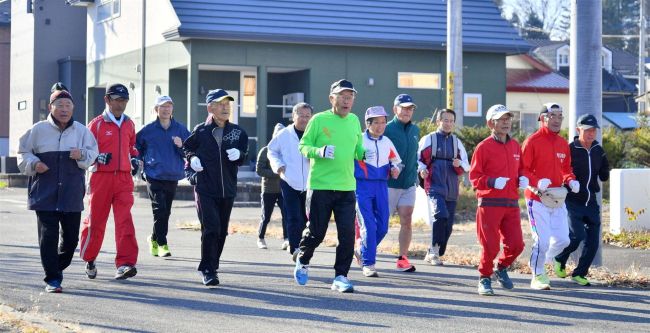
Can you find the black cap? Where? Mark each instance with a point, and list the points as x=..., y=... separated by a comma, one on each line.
x=587, y=121
x=549, y=107
x=58, y=94
x=58, y=86
x=341, y=85
x=117, y=90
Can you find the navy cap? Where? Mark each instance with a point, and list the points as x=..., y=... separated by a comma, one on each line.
x=404, y=100
x=341, y=85
x=58, y=86
x=217, y=95
x=117, y=90
x=587, y=121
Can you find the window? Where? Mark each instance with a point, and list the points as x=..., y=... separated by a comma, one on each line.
x=249, y=95
x=472, y=105
x=418, y=80
x=107, y=10
x=562, y=60
x=528, y=122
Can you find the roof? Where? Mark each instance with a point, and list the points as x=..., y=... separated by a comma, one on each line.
x=622, y=120
x=534, y=80
x=624, y=62
x=410, y=24
x=5, y=12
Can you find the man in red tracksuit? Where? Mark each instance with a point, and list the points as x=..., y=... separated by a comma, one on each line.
x=495, y=174
x=546, y=161
x=111, y=185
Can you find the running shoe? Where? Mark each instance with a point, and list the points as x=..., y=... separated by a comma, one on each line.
x=153, y=246
x=503, y=279
x=342, y=284
x=163, y=251
x=209, y=278
x=403, y=265
x=485, y=287
x=370, y=271
x=53, y=286
x=285, y=244
x=301, y=273
x=581, y=280
x=91, y=270
x=261, y=243
x=540, y=282
x=125, y=271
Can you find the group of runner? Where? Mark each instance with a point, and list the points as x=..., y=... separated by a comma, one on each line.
x=318, y=166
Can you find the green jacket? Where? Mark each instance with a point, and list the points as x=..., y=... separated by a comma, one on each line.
x=327, y=128
x=405, y=137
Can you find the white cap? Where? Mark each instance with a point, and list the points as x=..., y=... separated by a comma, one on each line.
x=496, y=112
x=160, y=100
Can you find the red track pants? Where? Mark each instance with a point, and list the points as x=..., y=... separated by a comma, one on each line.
x=496, y=225
x=110, y=189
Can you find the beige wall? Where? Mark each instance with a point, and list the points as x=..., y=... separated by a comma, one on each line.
x=525, y=102
x=5, y=42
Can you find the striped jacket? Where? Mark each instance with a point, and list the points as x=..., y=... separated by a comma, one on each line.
x=61, y=188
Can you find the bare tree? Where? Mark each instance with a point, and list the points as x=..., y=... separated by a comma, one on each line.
x=548, y=17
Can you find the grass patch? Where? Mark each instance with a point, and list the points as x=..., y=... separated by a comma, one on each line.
x=630, y=239
x=3, y=185
x=18, y=324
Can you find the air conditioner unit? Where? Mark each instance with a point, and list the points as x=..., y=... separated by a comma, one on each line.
x=289, y=100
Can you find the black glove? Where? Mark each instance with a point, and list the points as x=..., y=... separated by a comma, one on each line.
x=104, y=158
x=135, y=166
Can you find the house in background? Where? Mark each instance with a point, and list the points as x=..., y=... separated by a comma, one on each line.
x=542, y=76
x=5, y=49
x=48, y=44
x=530, y=84
x=271, y=54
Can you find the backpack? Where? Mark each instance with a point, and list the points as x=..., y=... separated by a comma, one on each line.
x=433, y=138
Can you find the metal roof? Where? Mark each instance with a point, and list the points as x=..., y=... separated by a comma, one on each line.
x=533, y=80
x=410, y=24
x=5, y=12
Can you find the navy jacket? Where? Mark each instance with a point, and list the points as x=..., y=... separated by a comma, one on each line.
x=588, y=165
x=219, y=176
x=62, y=187
x=162, y=159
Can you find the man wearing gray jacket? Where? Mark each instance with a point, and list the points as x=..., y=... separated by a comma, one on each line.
x=55, y=153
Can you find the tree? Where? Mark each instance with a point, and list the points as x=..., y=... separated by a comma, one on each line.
x=538, y=18
x=621, y=18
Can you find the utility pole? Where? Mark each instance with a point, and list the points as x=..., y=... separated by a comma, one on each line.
x=642, y=26
x=585, y=71
x=143, y=59
x=455, y=58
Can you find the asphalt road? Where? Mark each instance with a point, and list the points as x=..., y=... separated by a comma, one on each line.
x=257, y=292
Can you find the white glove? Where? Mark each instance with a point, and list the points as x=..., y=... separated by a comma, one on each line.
x=543, y=184
x=575, y=186
x=370, y=155
x=327, y=152
x=233, y=154
x=523, y=182
x=195, y=164
x=500, y=183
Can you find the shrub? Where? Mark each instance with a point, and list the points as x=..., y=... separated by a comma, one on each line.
x=615, y=143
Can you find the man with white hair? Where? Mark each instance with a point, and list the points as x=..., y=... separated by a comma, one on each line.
x=547, y=164
x=496, y=175
x=293, y=168
x=160, y=144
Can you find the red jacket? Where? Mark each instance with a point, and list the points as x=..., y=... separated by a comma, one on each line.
x=546, y=155
x=493, y=159
x=119, y=141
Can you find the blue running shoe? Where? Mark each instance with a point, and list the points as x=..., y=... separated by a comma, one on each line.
x=342, y=284
x=53, y=286
x=301, y=273
x=503, y=279
x=485, y=287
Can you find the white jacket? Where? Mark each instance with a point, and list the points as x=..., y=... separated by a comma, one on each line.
x=283, y=152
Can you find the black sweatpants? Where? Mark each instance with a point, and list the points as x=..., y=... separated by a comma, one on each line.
x=584, y=225
x=296, y=213
x=161, y=193
x=268, y=204
x=214, y=215
x=57, y=245
x=321, y=205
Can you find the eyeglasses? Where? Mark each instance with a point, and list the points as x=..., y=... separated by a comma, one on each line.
x=554, y=116
x=345, y=98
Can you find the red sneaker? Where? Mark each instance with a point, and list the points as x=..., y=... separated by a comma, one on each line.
x=403, y=265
